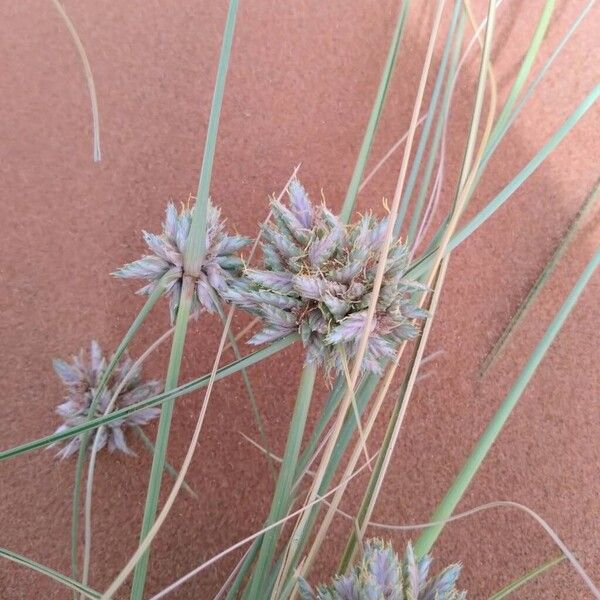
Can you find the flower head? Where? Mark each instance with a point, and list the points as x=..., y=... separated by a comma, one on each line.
x=81, y=378
x=382, y=576
x=220, y=264
x=318, y=278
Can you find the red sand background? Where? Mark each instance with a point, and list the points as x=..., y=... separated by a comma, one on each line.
x=302, y=80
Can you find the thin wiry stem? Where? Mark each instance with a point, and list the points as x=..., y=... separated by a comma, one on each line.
x=169, y=468
x=250, y=538
x=131, y=332
x=88, y=77
x=94, y=453
x=145, y=543
x=395, y=146
x=232, y=575
x=396, y=422
x=276, y=458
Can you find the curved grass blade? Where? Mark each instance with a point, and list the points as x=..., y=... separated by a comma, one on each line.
x=513, y=586
x=182, y=390
x=478, y=454
x=525, y=69
x=88, y=76
x=48, y=572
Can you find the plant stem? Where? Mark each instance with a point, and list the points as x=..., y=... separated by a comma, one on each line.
x=192, y=265
x=196, y=244
x=96, y=154
x=182, y=390
x=137, y=323
x=162, y=436
x=478, y=454
x=365, y=148
x=51, y=573
x=285, y=480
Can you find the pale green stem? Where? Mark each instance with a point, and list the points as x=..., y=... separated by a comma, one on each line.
x=285, y=481
x=196, y=244
x=137, y=323
x=412, y=178
x=192, y=265
x=365, y=148
x=182, y=390
x=48, y=572
x=487, y=439
x=162, y=435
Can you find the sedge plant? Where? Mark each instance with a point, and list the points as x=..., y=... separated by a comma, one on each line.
x=357, y=294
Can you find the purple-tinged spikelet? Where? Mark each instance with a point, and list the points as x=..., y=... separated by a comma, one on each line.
x=221, y=262
x=382, y=576
x=81, y=378
x=317, y=279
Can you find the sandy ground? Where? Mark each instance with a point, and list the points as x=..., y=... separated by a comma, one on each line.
x=302, y=79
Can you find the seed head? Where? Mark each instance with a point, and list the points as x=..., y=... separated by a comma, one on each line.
x=221, y=263
x=81, y=378
x=318, y=278
x=382, y=576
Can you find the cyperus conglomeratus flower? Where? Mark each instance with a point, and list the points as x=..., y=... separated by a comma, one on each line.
x=220, y=264
x=382, y=576
x=81, y=378
x=317, y=279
